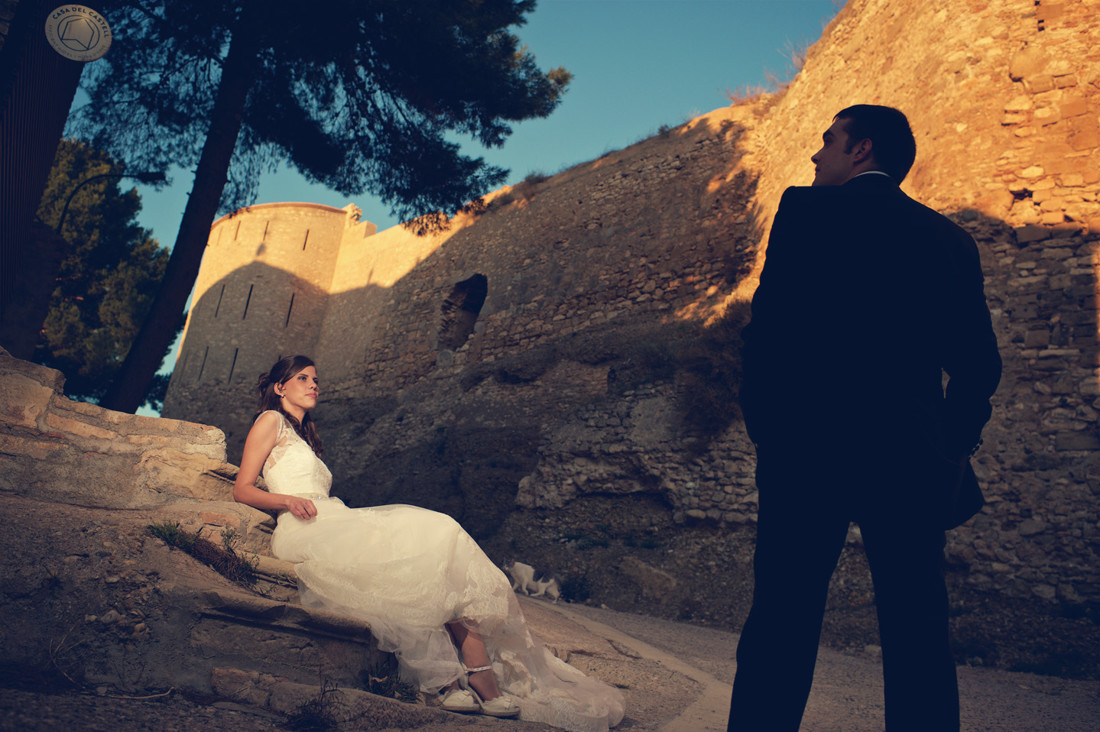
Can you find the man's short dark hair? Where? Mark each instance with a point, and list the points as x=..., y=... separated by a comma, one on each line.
x=892, y=141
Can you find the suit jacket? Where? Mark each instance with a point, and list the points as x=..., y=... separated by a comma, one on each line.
x=867, y=298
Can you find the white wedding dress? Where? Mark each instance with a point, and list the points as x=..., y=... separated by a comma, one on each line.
x=407, y=571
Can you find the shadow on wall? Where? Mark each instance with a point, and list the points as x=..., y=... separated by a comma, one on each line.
x=465, y=447
x=243, y=324
x=1028, y=554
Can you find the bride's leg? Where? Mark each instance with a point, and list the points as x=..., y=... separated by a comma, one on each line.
x=472, y=648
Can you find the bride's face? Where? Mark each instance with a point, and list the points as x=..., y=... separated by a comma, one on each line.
x=298, y=394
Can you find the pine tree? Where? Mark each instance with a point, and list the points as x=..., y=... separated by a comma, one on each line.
x=359, y=95
x=109, y=270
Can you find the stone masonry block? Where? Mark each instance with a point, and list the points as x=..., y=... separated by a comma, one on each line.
x=1084, y=133
x=1053, y=151
x=1030, y=233
x=1037, y=339
x=1073, y=441
x=1027, y=62
x=1073, y=107
x=1039, y=83
x=1047, y=115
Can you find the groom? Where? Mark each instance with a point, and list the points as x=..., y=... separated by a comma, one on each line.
x=866, y=299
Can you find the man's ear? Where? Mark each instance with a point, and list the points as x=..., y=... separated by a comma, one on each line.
x=862, y=151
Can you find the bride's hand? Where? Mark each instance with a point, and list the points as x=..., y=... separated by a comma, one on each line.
x=303, y=508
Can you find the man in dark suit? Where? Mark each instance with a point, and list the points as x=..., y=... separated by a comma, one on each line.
x=866, y=299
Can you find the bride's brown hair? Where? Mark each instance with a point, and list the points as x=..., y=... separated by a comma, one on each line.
x=280, y=373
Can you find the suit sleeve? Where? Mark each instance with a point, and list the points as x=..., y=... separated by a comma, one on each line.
x=758, y=337
x=971, y=359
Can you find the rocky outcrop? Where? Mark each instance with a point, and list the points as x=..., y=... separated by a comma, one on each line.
x=53, y=448
x=91, y=596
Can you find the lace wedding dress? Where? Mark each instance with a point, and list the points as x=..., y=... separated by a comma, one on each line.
x=407, y=571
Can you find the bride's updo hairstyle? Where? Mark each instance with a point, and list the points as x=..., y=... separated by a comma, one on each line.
x=282, y=372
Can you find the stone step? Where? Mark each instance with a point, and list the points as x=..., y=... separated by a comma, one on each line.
x=343, y=707
x=255, y=646
x=249, y=529
x=245, y=631
x=275, y=579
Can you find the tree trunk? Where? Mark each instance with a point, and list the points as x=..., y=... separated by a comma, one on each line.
x=37, y=86
x=127, y=393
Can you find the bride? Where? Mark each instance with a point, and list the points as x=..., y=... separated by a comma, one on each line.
x=427, y=590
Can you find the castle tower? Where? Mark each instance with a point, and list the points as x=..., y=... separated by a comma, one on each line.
x=261, y=294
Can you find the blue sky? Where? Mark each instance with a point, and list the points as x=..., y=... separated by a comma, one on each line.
x=636, y=64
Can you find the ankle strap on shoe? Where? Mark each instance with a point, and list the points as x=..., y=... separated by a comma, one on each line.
x=479, y=668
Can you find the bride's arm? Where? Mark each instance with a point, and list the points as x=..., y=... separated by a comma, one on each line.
x=257, y=446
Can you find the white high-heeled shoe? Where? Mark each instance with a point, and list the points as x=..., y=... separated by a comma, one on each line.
x=459, y=700
x=498, y=707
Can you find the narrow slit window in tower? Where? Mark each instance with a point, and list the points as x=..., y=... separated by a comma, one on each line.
x=289, y=309
x=247, y=300
x=202, y=366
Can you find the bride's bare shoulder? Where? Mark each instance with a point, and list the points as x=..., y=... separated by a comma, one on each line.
x=269, y=422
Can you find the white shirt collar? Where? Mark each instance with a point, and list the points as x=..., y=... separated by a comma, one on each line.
x=871, y=172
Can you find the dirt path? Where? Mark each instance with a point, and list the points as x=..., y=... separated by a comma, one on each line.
x=847, y=693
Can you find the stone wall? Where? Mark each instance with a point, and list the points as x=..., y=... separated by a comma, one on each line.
x=590, y=248
x=587, y=422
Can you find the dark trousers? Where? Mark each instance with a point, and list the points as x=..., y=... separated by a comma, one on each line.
x=800, y=533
